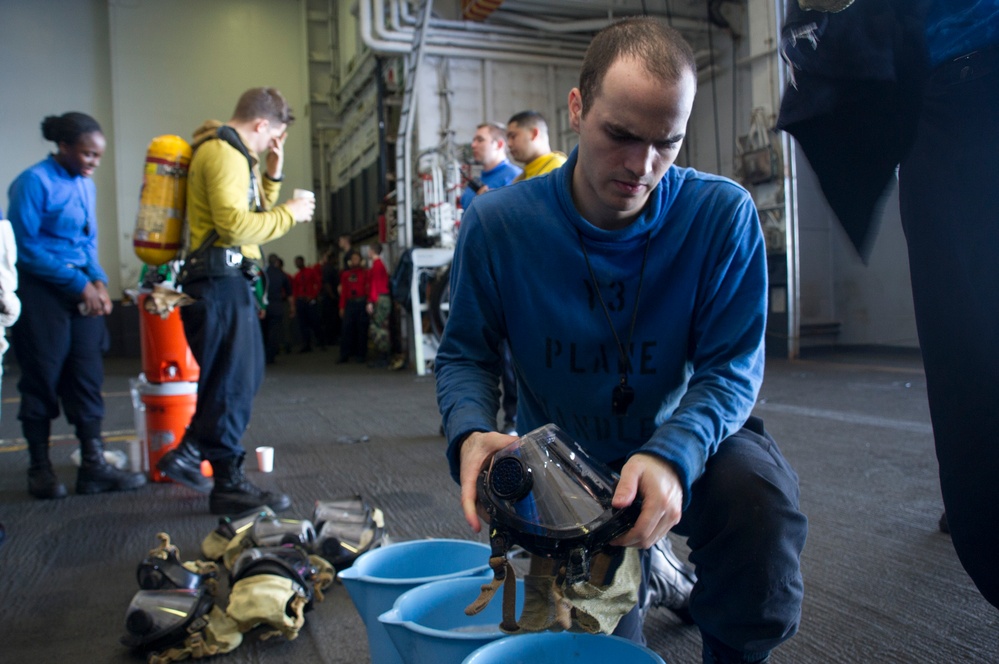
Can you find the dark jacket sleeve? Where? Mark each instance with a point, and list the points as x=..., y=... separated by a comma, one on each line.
x=853, y=99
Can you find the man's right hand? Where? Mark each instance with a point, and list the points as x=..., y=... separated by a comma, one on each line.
x=301, y=209
x=476, y=451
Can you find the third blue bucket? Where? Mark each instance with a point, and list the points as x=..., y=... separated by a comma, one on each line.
x=378, y=577
x=428, y=624
x=563, y=648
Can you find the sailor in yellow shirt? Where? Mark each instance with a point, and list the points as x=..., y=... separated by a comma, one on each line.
x=231, y=210
x=527, y=140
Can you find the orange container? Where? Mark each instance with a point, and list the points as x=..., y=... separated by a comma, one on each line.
x=166, y=357
x=169, y=409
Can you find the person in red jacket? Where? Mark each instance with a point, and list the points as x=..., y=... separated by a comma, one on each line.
x=353, y=309
x=306, y=285
x=379, y=306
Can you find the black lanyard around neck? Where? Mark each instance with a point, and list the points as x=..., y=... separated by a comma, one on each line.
x=81, y=188
x=623, y=394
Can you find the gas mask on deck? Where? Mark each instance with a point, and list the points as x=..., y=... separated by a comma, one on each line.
x=157, y=619
x=347, y=527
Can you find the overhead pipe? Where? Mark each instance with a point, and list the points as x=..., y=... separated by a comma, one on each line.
x=587, y=24
x=391, y=47
x=449, y=38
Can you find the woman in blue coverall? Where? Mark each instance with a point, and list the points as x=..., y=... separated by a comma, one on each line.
x=61, y=335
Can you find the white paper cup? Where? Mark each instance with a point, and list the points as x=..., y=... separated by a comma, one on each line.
x=302, y=193
x=265, y=459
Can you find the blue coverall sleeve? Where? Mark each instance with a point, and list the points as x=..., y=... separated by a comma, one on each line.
x=27, y=202
x=467, y=365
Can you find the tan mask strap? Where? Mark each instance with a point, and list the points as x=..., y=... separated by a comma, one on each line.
x=503, y=575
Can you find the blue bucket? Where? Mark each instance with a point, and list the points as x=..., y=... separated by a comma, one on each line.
x=378, y=577
x=562, y=648
x=428, y=624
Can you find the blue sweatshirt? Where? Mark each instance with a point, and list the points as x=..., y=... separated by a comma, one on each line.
x=54, y=217
x=499, y=176
x=958, y=27
x=697, y=350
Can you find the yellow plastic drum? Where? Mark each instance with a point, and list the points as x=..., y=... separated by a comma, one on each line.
x=159, y=225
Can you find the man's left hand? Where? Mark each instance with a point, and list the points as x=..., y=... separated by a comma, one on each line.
x=662, y=499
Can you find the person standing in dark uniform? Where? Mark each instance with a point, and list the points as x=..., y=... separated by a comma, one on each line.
x=306, y=285
x=354, y=316
x=231, y=210
x=278, y=296
x=329, y=319
x=61, y=335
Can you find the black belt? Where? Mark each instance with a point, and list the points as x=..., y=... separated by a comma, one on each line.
x=212, y=262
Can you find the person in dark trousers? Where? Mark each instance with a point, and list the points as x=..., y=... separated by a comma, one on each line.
x=61, y=335
x=279, y=303
x=306, y=285
x=915, y=83
x=646, y=345
x=231, y=209
x=353, y=312
x=379, y=307
x=329, y=306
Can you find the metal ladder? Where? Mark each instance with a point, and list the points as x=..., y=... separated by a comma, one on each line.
x=404, y=157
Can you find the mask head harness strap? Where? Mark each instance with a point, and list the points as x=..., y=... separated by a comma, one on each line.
x=503, y=575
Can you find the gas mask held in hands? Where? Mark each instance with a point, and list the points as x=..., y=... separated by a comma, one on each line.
x=545, y=494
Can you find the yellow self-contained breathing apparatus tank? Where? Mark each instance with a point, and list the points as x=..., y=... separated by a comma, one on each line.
x=159, y=225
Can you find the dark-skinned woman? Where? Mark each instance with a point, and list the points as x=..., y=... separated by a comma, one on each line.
x=61, y=336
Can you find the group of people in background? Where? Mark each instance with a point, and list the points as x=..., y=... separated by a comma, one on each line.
x=347, y=305
x=525, y=138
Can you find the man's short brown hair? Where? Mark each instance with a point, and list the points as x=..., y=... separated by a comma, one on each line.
x=263, y=103
x=661, y=50
x=496, y=130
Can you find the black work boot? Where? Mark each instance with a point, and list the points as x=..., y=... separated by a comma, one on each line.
x=233, y=493
x=98, y=476
x=42, y=480
x=183, y=464
x=670, y=581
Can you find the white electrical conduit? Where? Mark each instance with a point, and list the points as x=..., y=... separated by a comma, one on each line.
x=585, y=25
x=483, y=39
x=511, y=13
x=389, y=47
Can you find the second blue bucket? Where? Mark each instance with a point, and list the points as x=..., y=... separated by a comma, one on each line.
x=563, y=648
x=428, y=624
x=378, y=577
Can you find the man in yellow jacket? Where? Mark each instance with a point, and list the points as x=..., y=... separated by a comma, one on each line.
x=527, y=140
x=230, y=211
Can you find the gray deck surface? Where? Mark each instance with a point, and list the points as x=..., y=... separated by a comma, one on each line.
x=882, y=583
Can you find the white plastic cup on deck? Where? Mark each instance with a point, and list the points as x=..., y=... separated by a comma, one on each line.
x=265, y=459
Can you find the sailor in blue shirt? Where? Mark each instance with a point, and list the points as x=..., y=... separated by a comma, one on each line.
x=61, y=335
x=489, y=149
